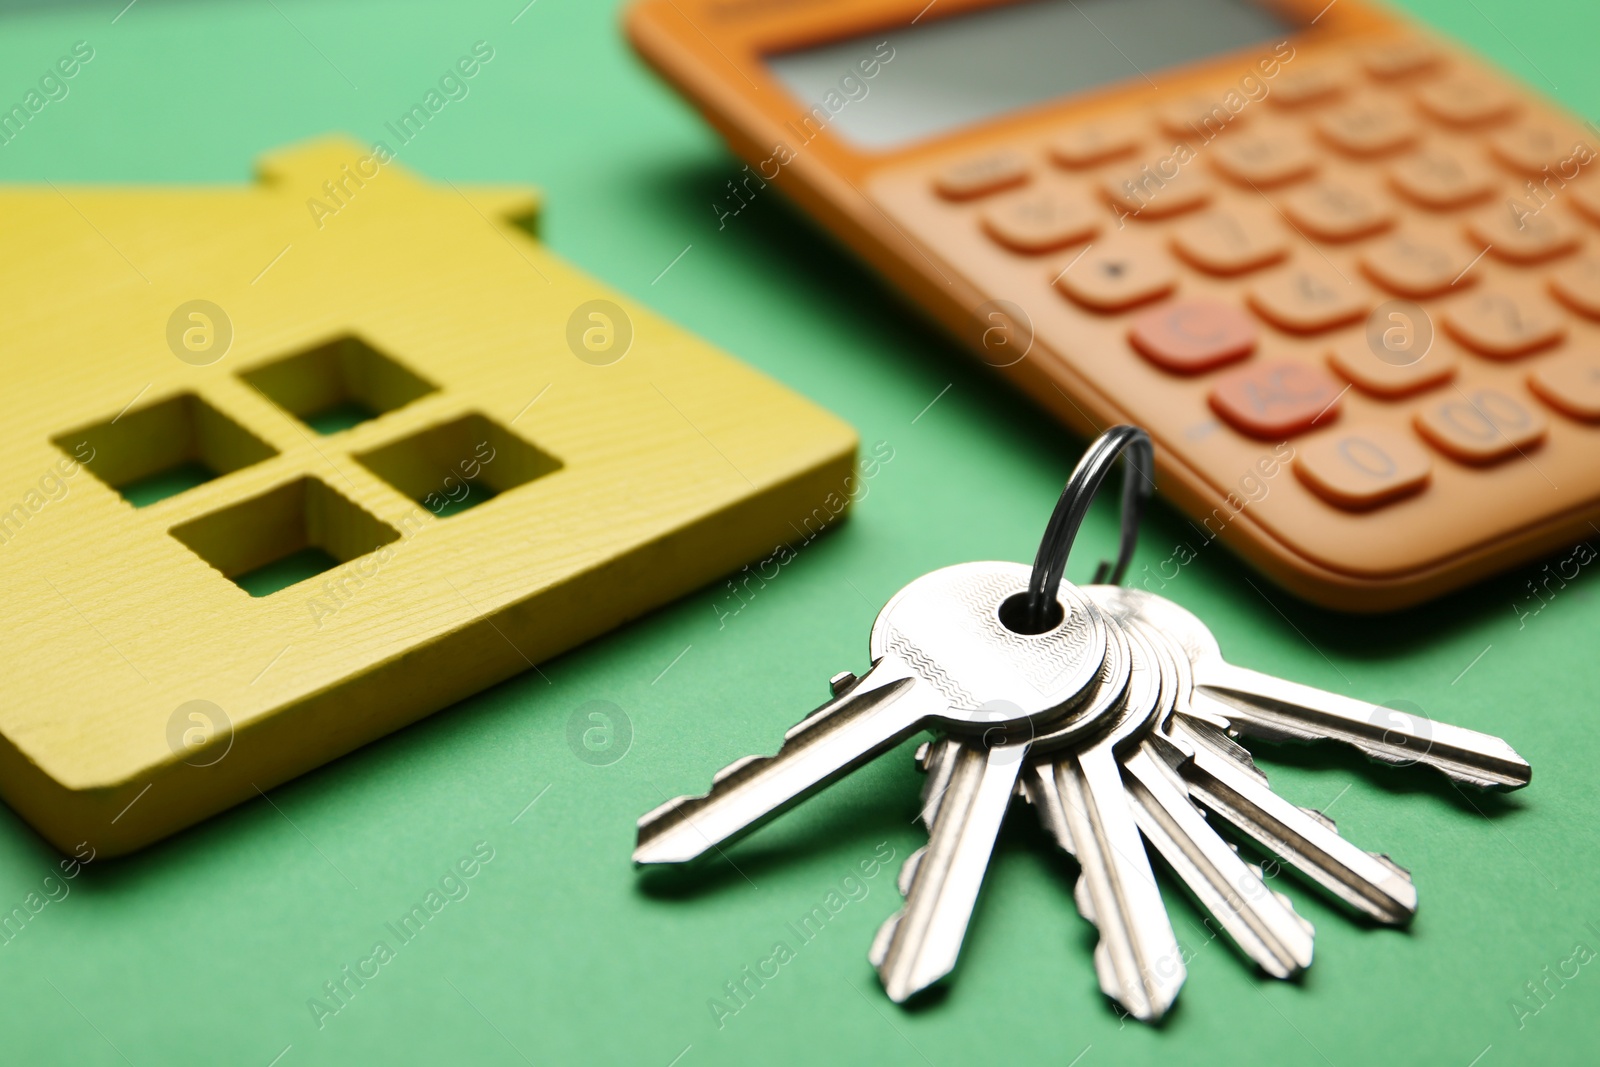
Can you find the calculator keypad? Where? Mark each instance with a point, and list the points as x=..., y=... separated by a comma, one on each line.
x=1214, y=276
x=1570, y=384
x=1189, y=336
x=1308, y=298
x=1483, y=426
x=1362, y=467
x=1502, y=326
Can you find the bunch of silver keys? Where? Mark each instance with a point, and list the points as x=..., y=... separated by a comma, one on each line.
x=1112, y=711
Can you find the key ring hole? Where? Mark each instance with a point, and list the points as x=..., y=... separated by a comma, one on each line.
x=1018, y=616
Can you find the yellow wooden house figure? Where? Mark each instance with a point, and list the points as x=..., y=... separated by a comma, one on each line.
x=276, y=480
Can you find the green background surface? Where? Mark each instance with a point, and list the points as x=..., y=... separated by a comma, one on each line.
x=206, y=948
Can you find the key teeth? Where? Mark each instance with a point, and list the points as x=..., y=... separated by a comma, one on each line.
x=921, y=756
x=879, y=952
x=908, y=871
x=1085, y=903
x=1328, y=823
x=1383, y=858
x=732, y=769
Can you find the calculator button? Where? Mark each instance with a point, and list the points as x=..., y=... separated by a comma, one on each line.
x=1389, y=375
x=1440, y=180
x=1197, y=116
x=1333, y=211
x=1366, y=128
x=1467, y=100
x=1230, y=241
x=1577, y=285
x=1415, y=268
x=1515, y=234
x=1360, y=467
x=1530, y=149
x=1277, y=399
x=1158, y=190
x=1502, y=326
x=1481, y=427
x=1042, y=220
x=1401, y=59
x=1570, y=384
x=1190, y=336
x=972, y=178
x=1086, y=146
x=1585, y=196
x=1306, y=88
x=1307, y=299
x=1264, y=158
x=1114, y=277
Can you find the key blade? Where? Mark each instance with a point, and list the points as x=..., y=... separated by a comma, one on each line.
x=1276, y=709
x=1262, y=923
x=1138, y=959
x=970, y=790
x=1310, y=844
x=885, y=707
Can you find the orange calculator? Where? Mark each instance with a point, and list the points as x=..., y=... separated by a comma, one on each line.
x=1346, y=274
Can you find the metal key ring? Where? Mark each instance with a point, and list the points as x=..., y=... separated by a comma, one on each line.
x=1133, y=446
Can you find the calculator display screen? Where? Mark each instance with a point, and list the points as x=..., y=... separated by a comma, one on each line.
x=940, y=74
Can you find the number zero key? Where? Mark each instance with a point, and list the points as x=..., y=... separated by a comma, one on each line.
x=1361, y=467
x=1481, y=427
x=1190, y=336
x=1276, y=399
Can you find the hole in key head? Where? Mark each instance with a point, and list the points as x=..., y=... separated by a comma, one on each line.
x=1014, y=615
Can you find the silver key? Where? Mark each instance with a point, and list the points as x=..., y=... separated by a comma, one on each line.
x=1271, y=708
x=1261, y=922
x=1081, y=800
x=969, y=787
x=942, y=658
x=1222, y=776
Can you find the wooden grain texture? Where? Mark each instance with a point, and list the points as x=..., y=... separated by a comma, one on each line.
x=675, y=464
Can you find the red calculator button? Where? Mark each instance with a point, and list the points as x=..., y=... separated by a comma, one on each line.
x=1517, y=235
x=1401, y=59
x=1416, y=268
x=1041, y=220
x=1360, y=467
x=1577, y=285
x=1467, y=100
x=1116, y=276
x=1439, y=180
x=1307, y=87
x=1394, y=373
x=1531, y=149
x=1086, y=146
x=1483, y=426
x=1334, y=211
x=1264, y=158
x=1570, y=384
x=1274, y=400
x=1230, y=241
x=1306, y=299
x=1158, y=190
x=1502, y=326
x=1367, y=127
x=972, y=178
x=1190, y=336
